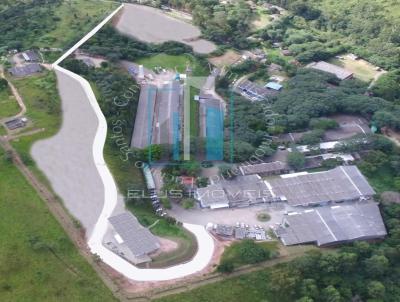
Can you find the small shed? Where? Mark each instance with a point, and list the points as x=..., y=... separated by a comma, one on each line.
x=274, y=86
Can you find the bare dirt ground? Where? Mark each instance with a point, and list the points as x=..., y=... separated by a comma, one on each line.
x=95, y=60
x=153, y=25
x=228, y=58
x=166, y=246
x=393, y=136
x=361, y=68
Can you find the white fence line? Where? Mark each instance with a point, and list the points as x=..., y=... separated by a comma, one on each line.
x=87, y=37
x=205, y=241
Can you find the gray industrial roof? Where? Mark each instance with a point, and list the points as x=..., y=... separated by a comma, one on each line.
x=142, y=130
x=340, y=72
x=330, y=225
x=245, y=189
x=16, y=123
x=272, y=167
x=212, y=196
x=25, y=70
x=32, y=56
x=251, y=89
x=239, y=191
x=339, y=184
x=138, y=239
x=168, y=103
x=148, y=177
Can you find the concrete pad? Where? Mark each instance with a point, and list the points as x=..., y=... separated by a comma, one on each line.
x=67, y=159
x=153, y=25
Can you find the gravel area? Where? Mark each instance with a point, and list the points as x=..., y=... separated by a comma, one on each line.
x=153, y=25
x=66, y=158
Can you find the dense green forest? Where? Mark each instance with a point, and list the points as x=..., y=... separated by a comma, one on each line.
x=311, y=94
x=227, y=24
x=47, y=23
x=115, y=46
x=368, y=28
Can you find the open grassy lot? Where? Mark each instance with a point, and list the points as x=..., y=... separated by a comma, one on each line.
x=362, y=70
x=42, y=101
x=38, y=262
x=75, y=19
x=228, y=58
x=53, y=23
x=177, y=63
x=249, y=287
x=3, y=130
x=194, y=113
x=8, y=105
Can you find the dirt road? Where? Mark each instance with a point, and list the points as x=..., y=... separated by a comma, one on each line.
x=18, y=98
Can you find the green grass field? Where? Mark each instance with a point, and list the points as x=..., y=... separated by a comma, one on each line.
x=38, y=262
x=8, y=105
x=177, y=63
x=362, y=70
x=43, y=105
x=249, y=287
x=76, y=18
x=3, y=130
x=194, y=113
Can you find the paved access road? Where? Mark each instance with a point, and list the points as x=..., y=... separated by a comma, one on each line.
x=73, y=162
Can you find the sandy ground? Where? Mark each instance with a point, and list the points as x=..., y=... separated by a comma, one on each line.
x=152, y=25
x=66, y=159
x=228, y=58
x=96, y=61
x=166, y=246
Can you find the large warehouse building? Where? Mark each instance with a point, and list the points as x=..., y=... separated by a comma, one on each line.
x=142, y=133
x=333, y=225
x=241, y=191
x=344, y=183
x=130, y=239
x=158, y=118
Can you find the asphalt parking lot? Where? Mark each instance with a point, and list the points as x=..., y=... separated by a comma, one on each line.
x=231, y=216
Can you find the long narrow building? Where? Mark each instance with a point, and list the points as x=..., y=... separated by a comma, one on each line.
x=142, y=131
x=158, y=117
x=167, y=127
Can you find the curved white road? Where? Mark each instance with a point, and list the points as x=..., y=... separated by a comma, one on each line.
x=204, y=240
x=103, y=200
